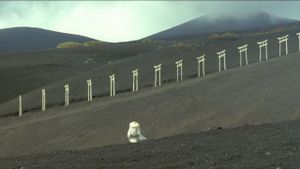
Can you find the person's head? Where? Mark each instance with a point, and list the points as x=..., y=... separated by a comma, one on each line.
x=134, y=127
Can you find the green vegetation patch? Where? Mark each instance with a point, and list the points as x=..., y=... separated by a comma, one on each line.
x=79, y=45
x=70, y=45
x=93, y=43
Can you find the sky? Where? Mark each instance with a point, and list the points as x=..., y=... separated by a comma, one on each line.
x=116, y=21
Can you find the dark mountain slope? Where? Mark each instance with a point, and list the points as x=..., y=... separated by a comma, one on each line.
x=21, y=72
x=27, y=38
x=207, y=24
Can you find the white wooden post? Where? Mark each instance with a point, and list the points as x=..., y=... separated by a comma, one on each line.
x=222, y=55
x=243, y=49
x=283, y=39
x=266, y=51
x=20, y=105
x=261, y=45
x=201, y=60
x=279, y=49
x=90, y=92
x=179, y=67
x=299, y=40
x=286, y=47
x=112, y=85
x=157, y=75
x=67, y=95
x=135, y=80
x=43, y=99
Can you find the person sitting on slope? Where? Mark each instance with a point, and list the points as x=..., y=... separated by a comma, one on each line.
x=134, y=134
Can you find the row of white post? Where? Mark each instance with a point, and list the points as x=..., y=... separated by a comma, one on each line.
x=179, y=66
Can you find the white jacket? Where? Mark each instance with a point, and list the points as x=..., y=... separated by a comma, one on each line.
x=134, y=134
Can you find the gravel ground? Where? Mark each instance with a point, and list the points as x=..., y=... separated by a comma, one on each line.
x=270, y=146
x=229, y=99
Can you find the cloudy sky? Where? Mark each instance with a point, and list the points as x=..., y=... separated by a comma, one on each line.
x=127, y=20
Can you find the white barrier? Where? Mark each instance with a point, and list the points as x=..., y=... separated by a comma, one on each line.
x=20, y=105
x=90, y=90
x=201, y=62
x=299, y=40
x=261, y=45
x=112, y=85
x=283, y=39
x=67, y=95
x=243, y=49
x=135, y=80
x=179, y=67
x=222, y=56
x=43, y=99
x=157, y=75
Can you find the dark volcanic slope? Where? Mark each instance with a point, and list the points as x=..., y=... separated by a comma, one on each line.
x=228, y=99
x=166, y=55
x=26, y=38
x=207, y=24
x=272, y=146
x=21, y=72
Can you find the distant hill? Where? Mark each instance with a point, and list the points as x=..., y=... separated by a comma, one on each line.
x=209, y=24
x=27, y=38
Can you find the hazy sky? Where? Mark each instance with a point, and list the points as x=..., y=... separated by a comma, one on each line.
x=127, y=20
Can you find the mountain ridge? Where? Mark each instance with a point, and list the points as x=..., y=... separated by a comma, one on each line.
x=215, y=24
x=18, y=39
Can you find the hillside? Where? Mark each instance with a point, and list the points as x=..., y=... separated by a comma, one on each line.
x=254, y=94
x=228, y=99
x=22, y=72
x=27, y=38
x=269, y=146
x=40, y=68
x=203, y=25
x=167, y=54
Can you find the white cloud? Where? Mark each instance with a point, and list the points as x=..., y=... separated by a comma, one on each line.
x=121, y=21
x=125, y=20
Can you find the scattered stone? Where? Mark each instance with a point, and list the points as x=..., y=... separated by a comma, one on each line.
x=215, y=128
x=89, y=60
